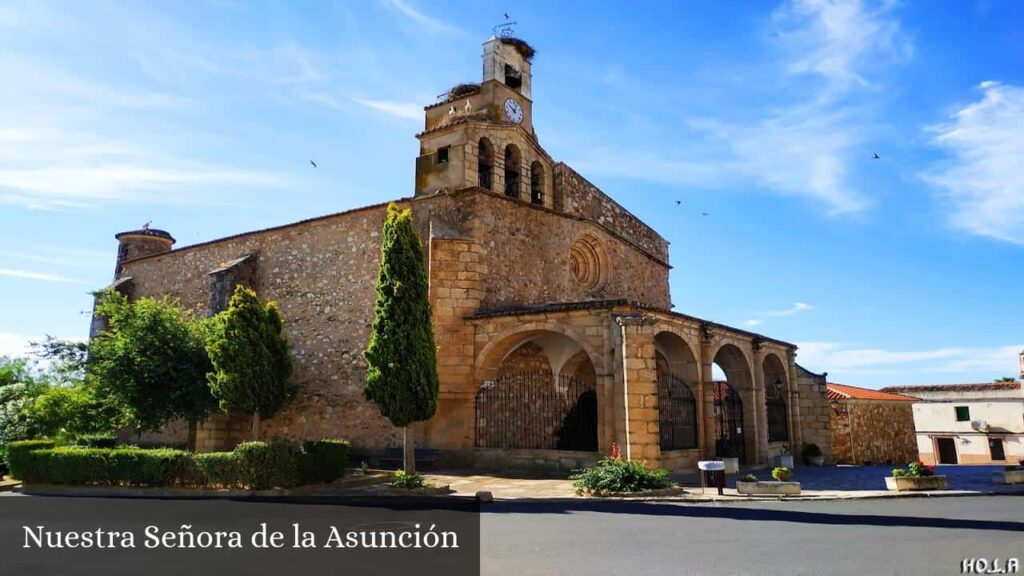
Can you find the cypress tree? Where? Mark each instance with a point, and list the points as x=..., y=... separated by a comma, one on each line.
x=401, y=357
x=249, y=352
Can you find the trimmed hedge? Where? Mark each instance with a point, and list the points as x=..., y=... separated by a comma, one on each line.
x=105, y=466
x=324, y=460
x=96, y=441
x=220, y=469
x=256, y=465
x=17, y=453
x=266, y=465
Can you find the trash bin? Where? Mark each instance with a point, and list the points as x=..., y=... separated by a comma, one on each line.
x=712, y=473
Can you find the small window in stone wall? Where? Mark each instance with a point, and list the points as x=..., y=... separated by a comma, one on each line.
x=963, y=413
x=221, y=287
x=442, y=155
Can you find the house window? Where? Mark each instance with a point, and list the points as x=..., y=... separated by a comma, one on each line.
x=995, y=447
x=442, y=155
x=963, y=413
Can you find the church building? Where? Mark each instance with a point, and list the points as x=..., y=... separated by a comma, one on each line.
x=554, y=325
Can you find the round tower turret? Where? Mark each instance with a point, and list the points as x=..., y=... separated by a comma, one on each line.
x=138, y=243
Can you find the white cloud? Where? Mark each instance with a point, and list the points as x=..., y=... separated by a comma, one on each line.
x=804, y=147
x=795, y=308
x=411, y=12
x=982, y=184
x=30, y=275
x=971, y=363
x=76, y=186
x=837, y=39
x=16, y=345
x=403, y=110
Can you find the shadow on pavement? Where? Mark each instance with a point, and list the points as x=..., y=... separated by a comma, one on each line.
x=742, y=513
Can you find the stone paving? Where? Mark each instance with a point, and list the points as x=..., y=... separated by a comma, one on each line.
x=817, y=483
x=845, y=478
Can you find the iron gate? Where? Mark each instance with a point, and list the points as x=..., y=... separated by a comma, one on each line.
x=728, y=421
x=677, y=413
x=531, y=409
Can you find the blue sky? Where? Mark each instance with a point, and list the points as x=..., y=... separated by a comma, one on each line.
x=203, y=116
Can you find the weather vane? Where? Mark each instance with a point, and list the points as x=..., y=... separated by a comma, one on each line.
x=504, y=30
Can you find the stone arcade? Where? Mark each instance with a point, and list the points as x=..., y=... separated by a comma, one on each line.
x=555, y=330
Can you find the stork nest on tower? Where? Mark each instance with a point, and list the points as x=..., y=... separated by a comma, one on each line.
x=460, y=90
x=521, y=46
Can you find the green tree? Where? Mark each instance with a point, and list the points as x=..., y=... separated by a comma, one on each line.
x=402, y=357
x=152, y=360
x=16, y=371
x=251, y=365
x=1004, y=379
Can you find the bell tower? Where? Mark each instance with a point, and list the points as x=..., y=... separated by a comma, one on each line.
x=482, y=134
x=507, y=60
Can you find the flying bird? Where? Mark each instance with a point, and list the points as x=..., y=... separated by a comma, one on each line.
x=506, y=15
x=313, y=163
x=876, y=157
x=679, y=202
x=705, y=214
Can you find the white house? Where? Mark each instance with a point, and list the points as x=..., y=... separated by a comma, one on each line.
x=968, y=423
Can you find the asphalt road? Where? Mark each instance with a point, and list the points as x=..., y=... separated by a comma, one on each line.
x=928, y=536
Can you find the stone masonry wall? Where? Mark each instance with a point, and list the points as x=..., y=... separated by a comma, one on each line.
x=875, y=431
x=575, y=195
x=815, y=421
x=322, y=275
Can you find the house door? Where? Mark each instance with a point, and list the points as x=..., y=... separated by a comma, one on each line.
x=947, y=450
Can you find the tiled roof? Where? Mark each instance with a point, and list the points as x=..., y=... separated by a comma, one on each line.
x=607, y=304
x=844, y=392
x=982, y=387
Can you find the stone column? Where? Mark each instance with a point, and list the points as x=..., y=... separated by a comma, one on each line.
x=760, y=411
x=455, y=272
x=707, y=387
x=795, y=427
x=639, y=389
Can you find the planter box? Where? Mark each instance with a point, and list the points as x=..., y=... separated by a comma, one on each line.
x=1008, y=477
x=906, y=483
x=760, y=488
x=785, y=460
x=732, y=465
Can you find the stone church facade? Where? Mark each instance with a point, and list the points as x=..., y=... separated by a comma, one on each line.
x=555, y=330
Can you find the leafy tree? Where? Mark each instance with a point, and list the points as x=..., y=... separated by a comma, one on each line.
x=66, y=359
x=1004, y=379
x=73, y=410
x=152, y=360
x=15, y=371
x=402, y=358
x=249, y=352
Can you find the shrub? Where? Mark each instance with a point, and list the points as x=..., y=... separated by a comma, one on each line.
x=18, y=452
x=399, y=479
x=219, y=469
x=809, y=451
x=266, y=465
x=96, y=440
x=67, y=465
x=750, y=478
x=782, y=474
x=612, y=475
x=898, y=473
x=139, y=467
x=323, y=460
x=915, y=469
